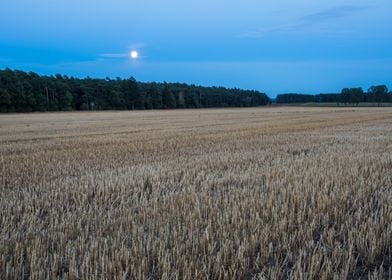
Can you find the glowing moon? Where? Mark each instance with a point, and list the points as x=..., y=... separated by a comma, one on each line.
x=134, y=54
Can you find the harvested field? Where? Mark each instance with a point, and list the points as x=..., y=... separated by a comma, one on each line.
x=263, y=193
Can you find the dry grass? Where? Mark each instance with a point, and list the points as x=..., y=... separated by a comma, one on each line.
x=271, y=193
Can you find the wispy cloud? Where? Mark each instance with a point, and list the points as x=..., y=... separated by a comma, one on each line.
x=333, y=13
x=114, y=55
x=308, y=22
x=126, y=54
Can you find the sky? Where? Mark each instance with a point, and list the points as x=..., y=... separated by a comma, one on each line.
x=276, y=46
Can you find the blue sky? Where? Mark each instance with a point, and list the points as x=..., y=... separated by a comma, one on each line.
x=272, y=46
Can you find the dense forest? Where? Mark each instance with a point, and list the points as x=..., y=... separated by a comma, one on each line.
x=375, y=94
x=28, y=92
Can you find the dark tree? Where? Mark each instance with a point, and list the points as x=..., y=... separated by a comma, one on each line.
x=5, y=100
x=156, y=96
x=131, y=92
x=25, y=92
x=352, y=95
x=378, y=94
x=295, y=98
x=168, y=99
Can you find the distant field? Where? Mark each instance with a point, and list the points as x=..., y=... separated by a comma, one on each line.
x=263, y=193
x=334, y=104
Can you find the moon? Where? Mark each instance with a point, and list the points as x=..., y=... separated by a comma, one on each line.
x=134, y=54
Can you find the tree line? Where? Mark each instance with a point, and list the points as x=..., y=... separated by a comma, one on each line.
x=27, y=92
x=375, y=94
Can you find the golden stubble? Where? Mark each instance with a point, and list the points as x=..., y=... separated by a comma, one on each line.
x=263, y=193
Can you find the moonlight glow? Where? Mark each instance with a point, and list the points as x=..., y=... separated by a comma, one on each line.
x=134, y=54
